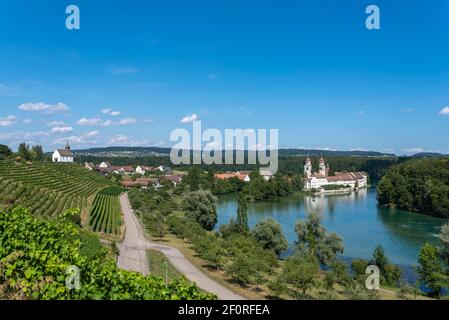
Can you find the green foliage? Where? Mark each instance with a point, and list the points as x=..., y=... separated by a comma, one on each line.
x=301, y=272
x=242, y=269
x=269, y=235
x=430, y=269
x=46, y=188
x=242, y=214
x=35, y=254
x=5, y=151
x=201, y=206
x=24, y=151
x=336, y=275
x=313, y=238
x=105, y=215
x=389, y=273
x=420, y=185
x=193, y=178
x=359, y=267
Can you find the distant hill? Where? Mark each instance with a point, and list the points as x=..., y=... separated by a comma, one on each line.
x=156, y=151
x=428, y=155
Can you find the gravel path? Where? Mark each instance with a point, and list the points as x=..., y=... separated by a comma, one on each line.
x=133, y=256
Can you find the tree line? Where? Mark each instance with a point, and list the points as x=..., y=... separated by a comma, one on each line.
x=420, y=185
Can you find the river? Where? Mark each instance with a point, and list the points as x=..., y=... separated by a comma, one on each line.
x=355, y=217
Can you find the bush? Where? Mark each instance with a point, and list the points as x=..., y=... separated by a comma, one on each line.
x=35, y=255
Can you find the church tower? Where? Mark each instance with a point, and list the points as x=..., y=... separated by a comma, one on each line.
x=308, y=167
x=67, y=146
x=323, y=169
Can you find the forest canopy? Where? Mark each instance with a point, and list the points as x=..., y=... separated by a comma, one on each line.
x=420, y=185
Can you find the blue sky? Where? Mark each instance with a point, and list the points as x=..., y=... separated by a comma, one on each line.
x=308, y=68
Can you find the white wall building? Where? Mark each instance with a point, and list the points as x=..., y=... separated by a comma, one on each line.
x=318, y=180
x=63, y=155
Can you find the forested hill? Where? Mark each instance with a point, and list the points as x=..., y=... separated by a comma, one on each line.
x=420, y=185
x=152, y=151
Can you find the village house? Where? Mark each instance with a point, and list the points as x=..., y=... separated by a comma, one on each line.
x=63, y=155
x=142, y=183
x=104, y=165
x=122, y=169
x=321, y=178
x=89, y=165
x=174, y=179
x=242, y=175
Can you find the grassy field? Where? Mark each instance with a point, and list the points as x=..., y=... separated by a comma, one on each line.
x=160, y=266
x=47, y=189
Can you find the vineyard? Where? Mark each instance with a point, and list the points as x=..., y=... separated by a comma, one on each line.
x=105, y=215
x=47, y=189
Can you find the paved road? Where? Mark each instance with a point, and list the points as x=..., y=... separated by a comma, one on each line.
x=133, y=257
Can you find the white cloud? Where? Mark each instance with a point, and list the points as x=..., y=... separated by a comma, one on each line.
x=124, y=70
x=92, y=134
x=46, y=108
x=99, y=122
x=110, y=112
x=127, y=121
x=8, y=121
x=55, y=124
x=58, y=130
x=189, y=119
x=89, y=122
x=148, y=120
x=27, y=121
x=444, y=111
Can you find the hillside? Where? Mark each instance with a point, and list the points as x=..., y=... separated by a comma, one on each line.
x=156, y=151
x=47, y=189
x=420, y=185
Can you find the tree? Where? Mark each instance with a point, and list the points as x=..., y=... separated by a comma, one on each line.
x=24, y=151
x=201, y=206
x=379, y=258
x=430, y=269
x=155, y=225
x=38, y=152
x=301, y=271
x=269, y=235
x=242, y=214
x=193, y=178
x=390, y=273
x=444, y=238
x=297, y=183
x=5, y=151
x=213, y=253
x=313, y=238
x=336, y=275
x=242, y=269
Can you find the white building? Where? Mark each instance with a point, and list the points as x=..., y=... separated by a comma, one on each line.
x=266, y=174
x=140, y=170
x=318, y=180
x=63, y=155
x=104, y=165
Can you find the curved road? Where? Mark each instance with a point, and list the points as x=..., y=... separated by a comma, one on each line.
x=133, y=256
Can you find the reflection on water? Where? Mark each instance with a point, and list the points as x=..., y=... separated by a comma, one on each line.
x=355, y=217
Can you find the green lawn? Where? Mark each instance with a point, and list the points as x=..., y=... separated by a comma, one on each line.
x=156, y=264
